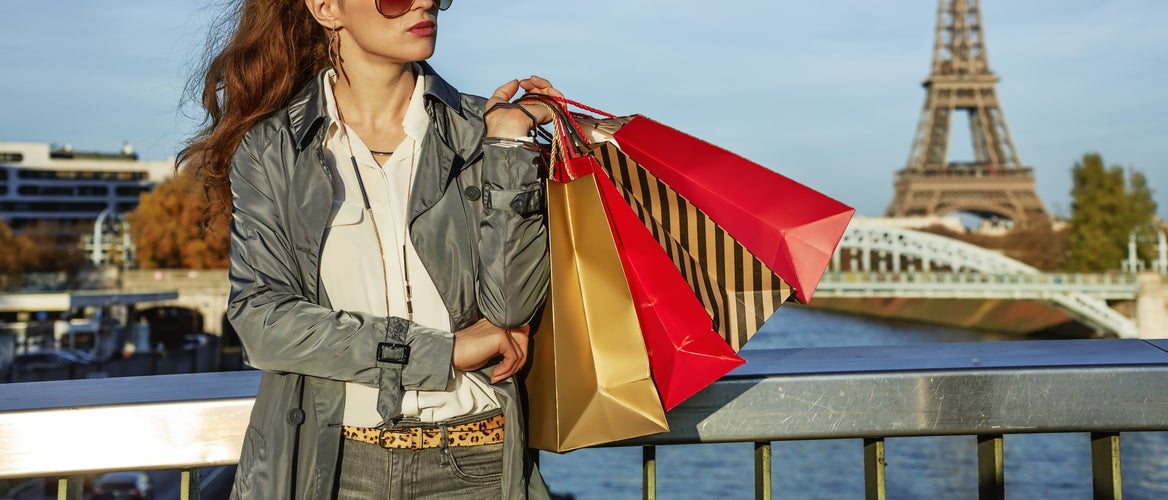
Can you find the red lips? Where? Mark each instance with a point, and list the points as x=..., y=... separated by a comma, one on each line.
x=424, y=28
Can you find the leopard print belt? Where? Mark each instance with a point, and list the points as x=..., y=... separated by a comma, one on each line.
x=486, y=431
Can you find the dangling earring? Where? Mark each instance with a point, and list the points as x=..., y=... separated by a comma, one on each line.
x=334, y=49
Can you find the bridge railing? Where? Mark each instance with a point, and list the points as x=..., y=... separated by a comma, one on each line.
x=987, y=389
x=1111, y=286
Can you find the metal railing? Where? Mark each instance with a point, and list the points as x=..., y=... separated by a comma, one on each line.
x=1043, y=286
x=988, y=389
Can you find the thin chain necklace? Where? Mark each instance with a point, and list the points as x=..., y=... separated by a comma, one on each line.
x=373, y=221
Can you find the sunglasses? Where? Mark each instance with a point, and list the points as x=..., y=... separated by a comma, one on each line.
x=397, y=8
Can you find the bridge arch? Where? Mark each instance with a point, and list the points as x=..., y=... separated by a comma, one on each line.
x=872, y=247
x=868, y=242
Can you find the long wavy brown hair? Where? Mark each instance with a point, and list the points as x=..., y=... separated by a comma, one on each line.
x=259, y=53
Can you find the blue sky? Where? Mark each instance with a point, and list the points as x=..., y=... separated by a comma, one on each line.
x=827, y=93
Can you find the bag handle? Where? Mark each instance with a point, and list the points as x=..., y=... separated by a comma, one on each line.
x=565, y=126
x=560, y=150
x=568, y=102
x=568, y=138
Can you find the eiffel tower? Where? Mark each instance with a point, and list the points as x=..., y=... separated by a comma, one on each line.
x=995, y=184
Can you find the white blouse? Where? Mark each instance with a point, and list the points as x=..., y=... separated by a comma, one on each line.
x=351, y=265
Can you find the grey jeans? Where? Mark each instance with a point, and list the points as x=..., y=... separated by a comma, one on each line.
x=370, y=472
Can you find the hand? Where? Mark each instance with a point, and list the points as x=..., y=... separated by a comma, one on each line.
x=513, y=122
x=482, y=341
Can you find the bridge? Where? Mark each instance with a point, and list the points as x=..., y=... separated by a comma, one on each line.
x=871, y=261
x=876, y=261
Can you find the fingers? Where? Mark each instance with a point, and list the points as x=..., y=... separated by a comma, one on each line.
x=514, y=355
x=521, y=341
x=504, y=93
x=512, y=359
x=534, y=82
x=538, y=85
x=480, y=342
x=508, y=123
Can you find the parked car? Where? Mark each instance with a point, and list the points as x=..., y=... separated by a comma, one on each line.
x=85, y=356
x=121, y=485
x=45, y=360
x=195, y=341
x=78, y=356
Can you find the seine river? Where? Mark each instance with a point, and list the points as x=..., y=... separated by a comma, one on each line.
x=1038, y=466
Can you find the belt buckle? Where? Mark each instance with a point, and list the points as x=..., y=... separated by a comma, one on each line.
x=412, y=437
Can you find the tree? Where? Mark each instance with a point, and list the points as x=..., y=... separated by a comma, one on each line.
x=1142, y=203
x=56, y=246
x=170, y=230
x=1105, y=208
x=18, y=251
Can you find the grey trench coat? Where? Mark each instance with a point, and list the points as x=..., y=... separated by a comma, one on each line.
x=477, y=222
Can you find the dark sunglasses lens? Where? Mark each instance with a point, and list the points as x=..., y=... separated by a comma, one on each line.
x=393, y=8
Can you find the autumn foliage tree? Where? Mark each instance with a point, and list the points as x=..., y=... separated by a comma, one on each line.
x=1106, y=205
x=170, y=231
x=43, y=246
x=18, y=254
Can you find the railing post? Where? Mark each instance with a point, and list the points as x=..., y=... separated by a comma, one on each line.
x=1106, y=476
x=649, y=472
x=70, y=488
x=874, y=483
x=190, y=488
x=762, y=470
x=991, y=465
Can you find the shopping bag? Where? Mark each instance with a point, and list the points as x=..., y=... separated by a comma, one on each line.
x=737, y=290
x=790, y=227
x=685, y=353
x=589, y=381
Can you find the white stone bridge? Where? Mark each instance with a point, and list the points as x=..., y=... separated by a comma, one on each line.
x=875, y=261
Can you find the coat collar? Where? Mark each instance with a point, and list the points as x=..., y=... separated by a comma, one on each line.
x=308, y=110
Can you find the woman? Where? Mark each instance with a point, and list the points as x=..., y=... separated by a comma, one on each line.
x=375, y=210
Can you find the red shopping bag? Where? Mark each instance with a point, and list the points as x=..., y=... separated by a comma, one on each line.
x=790, y=227
x=736, y=289
x=685, y=353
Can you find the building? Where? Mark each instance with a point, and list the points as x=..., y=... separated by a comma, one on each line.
x=40, y=183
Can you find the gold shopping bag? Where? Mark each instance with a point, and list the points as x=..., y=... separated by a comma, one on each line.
x=589, y=382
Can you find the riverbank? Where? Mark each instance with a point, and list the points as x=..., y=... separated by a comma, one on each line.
x=1014, y=318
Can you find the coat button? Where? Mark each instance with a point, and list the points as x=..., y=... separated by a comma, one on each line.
x=472, y=193
x=296, y=416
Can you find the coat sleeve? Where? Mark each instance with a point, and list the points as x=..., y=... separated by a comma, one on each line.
x=513, y=245
x=280, y=329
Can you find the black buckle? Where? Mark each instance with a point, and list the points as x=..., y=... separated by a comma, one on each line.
x=393, y=353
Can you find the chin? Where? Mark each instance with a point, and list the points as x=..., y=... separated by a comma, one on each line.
x=420, y=55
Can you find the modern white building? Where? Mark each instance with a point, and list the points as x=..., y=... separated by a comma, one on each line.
x=41, y=183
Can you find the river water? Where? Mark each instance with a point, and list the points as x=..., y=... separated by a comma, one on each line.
x=1038, y=466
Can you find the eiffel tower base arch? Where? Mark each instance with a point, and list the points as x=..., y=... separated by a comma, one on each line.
x=1006, y=194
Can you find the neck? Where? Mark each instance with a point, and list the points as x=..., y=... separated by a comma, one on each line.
x=374, y=96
